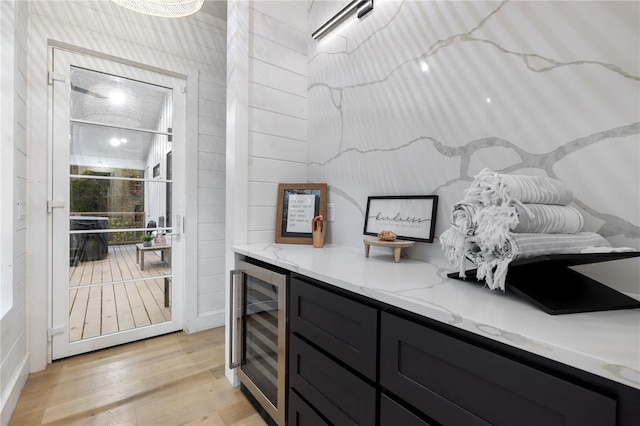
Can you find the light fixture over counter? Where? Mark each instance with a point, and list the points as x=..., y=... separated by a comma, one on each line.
x=162, y=8
x=362, y=6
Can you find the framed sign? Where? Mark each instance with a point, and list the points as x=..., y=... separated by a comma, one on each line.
x=298, y=204
x=410, y=217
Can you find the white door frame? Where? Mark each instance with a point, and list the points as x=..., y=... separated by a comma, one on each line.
x=59, y=112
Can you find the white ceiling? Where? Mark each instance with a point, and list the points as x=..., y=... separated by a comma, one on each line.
x=115, y=101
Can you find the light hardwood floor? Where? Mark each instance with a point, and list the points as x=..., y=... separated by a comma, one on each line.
x=175, y=379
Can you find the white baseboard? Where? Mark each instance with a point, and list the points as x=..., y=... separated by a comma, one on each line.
x=12, y=392
x=205, y=321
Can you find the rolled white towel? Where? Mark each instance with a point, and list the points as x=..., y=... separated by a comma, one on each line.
x=548, y=219
x=493, y=258
x=492, y=188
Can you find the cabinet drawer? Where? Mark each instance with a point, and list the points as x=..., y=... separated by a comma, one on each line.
x=454, y=382
x=393, y=414
x=344, y=328
x=300, y=414
x=341, y=396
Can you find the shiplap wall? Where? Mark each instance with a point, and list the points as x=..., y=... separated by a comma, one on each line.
x=14, y=356
x=211, y=193
x=266, y=118
x=194, y=47
x=277, y=108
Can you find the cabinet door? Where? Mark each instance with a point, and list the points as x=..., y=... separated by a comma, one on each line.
x=341, y=396
x=392, y=414
x=300, y=414
x=343, y=327
x=454, y=382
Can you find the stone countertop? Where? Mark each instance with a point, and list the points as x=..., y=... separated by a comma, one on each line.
x=606, y=344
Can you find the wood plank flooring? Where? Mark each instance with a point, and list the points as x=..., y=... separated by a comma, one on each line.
x=98, y=306
x=175, y=379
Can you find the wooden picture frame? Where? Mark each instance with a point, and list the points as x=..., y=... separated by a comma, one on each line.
x=298, y=204
x=410, y=217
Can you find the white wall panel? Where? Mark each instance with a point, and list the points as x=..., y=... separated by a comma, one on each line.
x=212, y=126
x=214, y=75
x=208, y=249
x=272, y=123
x=276, y=54
x=261, y=237
x=211, y=179
x=273, y=76
x=211, y=302
x=277, y=148
x=211, y=214
x=292, y=14
x=210, y=267
x=212, y=108
x=213, y=86
x=261, y=218
x=14, y=352
x=274, y=171
x=210, y=143
x=271, y=99
x=211, y=231
x=211, y=196
x=263, y=193
x=211, y=161
x=278, y=32
x=212, y=284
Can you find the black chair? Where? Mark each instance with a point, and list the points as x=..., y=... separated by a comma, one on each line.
x=151, y=224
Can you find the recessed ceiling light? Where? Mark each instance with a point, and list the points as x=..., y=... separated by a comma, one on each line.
x=117, y=98
x=115, y=142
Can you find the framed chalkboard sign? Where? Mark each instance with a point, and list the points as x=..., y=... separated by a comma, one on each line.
x=298, y=204
x=410, y=217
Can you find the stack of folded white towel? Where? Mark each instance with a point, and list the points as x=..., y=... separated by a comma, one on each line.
x=505, y=217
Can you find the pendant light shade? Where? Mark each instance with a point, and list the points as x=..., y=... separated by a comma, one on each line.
x=163, y=8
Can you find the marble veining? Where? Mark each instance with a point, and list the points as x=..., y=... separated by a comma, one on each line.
x=420, y=96
x=606, y=344
x=628, y=373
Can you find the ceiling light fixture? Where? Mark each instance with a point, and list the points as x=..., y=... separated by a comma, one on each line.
x=362, y=6
x=117, y=98
x=162, y=8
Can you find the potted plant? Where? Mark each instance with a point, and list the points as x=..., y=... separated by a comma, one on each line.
x=146, y=240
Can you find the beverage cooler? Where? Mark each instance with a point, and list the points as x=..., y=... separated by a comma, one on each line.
x=258, y=329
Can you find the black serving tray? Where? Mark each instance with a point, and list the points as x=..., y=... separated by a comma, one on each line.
x=549, y=283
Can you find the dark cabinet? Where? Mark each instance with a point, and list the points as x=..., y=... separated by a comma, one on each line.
x=341, y=397
x=343, y=327
x=356, y=361
x=300, y=414
x=332, y=357
x=456, y=383
x=394, y=414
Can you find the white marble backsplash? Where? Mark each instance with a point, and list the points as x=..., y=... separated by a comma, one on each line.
x=419, y=96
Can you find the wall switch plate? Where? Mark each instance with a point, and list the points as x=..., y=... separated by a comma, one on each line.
x=331, y=212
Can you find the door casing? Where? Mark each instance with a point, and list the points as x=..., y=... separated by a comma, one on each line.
x=58, y=235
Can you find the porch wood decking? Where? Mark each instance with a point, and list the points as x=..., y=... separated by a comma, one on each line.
x=96, y=310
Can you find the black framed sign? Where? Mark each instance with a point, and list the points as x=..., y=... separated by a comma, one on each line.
x=298, y=204
x=410, y=217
